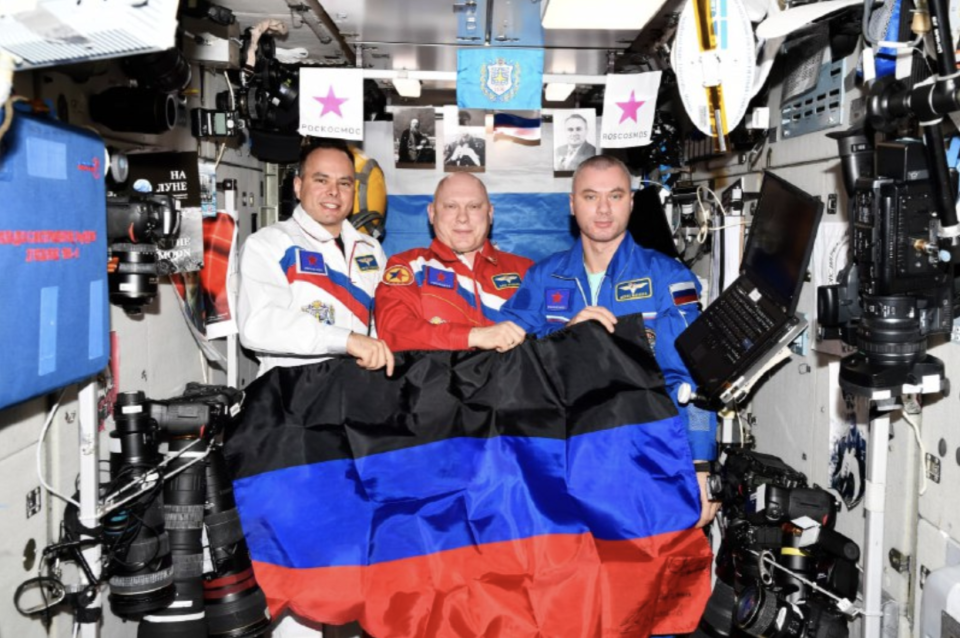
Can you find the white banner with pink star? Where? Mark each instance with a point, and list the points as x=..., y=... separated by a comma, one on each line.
x=628, y=106
x=331, y=103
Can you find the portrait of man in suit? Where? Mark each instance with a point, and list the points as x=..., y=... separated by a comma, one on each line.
x=573, y=133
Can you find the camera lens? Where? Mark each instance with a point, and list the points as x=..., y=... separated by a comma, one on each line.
x=136, y=544
x=236, y=606
x=134, y=110
x=183, y=497
x=760, y=613
x=889, y=332
x=132, y=276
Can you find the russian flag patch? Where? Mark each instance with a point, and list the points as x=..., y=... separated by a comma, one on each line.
x=683, y=293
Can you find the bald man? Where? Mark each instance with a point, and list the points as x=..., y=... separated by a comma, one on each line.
x=448, y=296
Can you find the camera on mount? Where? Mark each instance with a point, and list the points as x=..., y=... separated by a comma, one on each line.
x=137, y=225
x=781, y=564
x=898, y=288
x=154, y=544
x=267, y=101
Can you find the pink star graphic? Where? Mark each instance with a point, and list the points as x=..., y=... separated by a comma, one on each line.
x=630, y=108
x=331, y=103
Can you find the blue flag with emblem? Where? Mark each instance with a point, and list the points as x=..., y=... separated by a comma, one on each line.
x=503, y=79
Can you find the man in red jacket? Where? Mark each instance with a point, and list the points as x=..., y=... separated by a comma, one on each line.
x=448, y=296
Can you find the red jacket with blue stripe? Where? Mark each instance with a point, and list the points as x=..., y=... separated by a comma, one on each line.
x=429, y=299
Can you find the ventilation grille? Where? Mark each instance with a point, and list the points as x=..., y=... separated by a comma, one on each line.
x=63, y=31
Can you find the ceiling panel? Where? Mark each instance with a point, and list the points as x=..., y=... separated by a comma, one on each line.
x=424, y=35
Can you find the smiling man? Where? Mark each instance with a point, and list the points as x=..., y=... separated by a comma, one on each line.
x=606, y=274
x=448, y=296
x=307, y=283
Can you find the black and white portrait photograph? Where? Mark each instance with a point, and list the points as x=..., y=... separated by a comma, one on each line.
x=414, y=138
x=465, y=146
x=574, y=138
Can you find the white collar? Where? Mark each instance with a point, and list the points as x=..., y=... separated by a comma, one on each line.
x=313, y=228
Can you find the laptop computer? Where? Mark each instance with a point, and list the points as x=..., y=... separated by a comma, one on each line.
x=751, y=321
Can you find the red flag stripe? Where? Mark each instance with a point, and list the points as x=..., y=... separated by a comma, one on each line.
x=538, y=586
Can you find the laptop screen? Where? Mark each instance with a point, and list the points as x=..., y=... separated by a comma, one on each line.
x=781, y=239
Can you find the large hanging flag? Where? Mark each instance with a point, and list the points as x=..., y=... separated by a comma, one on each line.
x=476, y=494
x=331, y=103
x=504, y=79
x=628, y=108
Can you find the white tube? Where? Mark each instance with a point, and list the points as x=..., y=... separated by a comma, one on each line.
x=89, y=487
x=876, y=492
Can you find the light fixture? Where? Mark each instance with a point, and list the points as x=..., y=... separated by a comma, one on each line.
x=612, y=15
x=558, y=91
x=407, y=87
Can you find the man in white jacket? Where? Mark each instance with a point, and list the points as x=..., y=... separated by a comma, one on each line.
x=307, y=283
x=306, y=291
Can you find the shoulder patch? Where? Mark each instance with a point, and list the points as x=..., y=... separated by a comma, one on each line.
x=507, y=280
x=634, y=289
x=441, y=278
x=683, y=293
x=311, y=262
x=398, y=275
x=558, y=299
x=366, y=263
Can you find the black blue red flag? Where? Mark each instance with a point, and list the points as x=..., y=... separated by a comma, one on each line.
x=548, y=491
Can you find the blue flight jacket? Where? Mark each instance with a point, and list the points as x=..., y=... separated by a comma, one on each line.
x=637, y=280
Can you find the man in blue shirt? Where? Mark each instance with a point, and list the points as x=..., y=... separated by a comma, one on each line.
x=606, y=274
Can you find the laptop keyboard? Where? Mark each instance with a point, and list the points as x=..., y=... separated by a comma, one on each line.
x=736, y=323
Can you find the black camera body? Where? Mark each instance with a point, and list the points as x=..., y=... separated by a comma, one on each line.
x=215, y=123
x=774, y=516
x=137, y=225
x=266, y=100
x=157, y=569
x=898, y=288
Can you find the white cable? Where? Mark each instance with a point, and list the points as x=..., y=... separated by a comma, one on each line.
x=43, y=435
x=837, y=599
x=923, y=451
x=152, y=475
x=707, y=217
x=204, y=367
x=233, y=101
x=223, y=147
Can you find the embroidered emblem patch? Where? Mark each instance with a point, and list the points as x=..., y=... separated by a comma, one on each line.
x=366, y=263
x=398, y=276
x=441, y=278
x=507, y=280
x=558, y=298
x=652, y=339
x=324, y=313
x=312, y=263
x=634, y=289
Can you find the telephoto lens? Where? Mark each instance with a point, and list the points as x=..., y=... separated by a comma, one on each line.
x=132, y=276
x=136, y=545
x=762, y=614
x=183, y=498
x=236, y=606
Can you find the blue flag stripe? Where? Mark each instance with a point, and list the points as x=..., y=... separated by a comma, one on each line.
x=466, y=491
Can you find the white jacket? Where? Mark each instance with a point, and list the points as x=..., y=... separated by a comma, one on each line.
x=299, y=297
